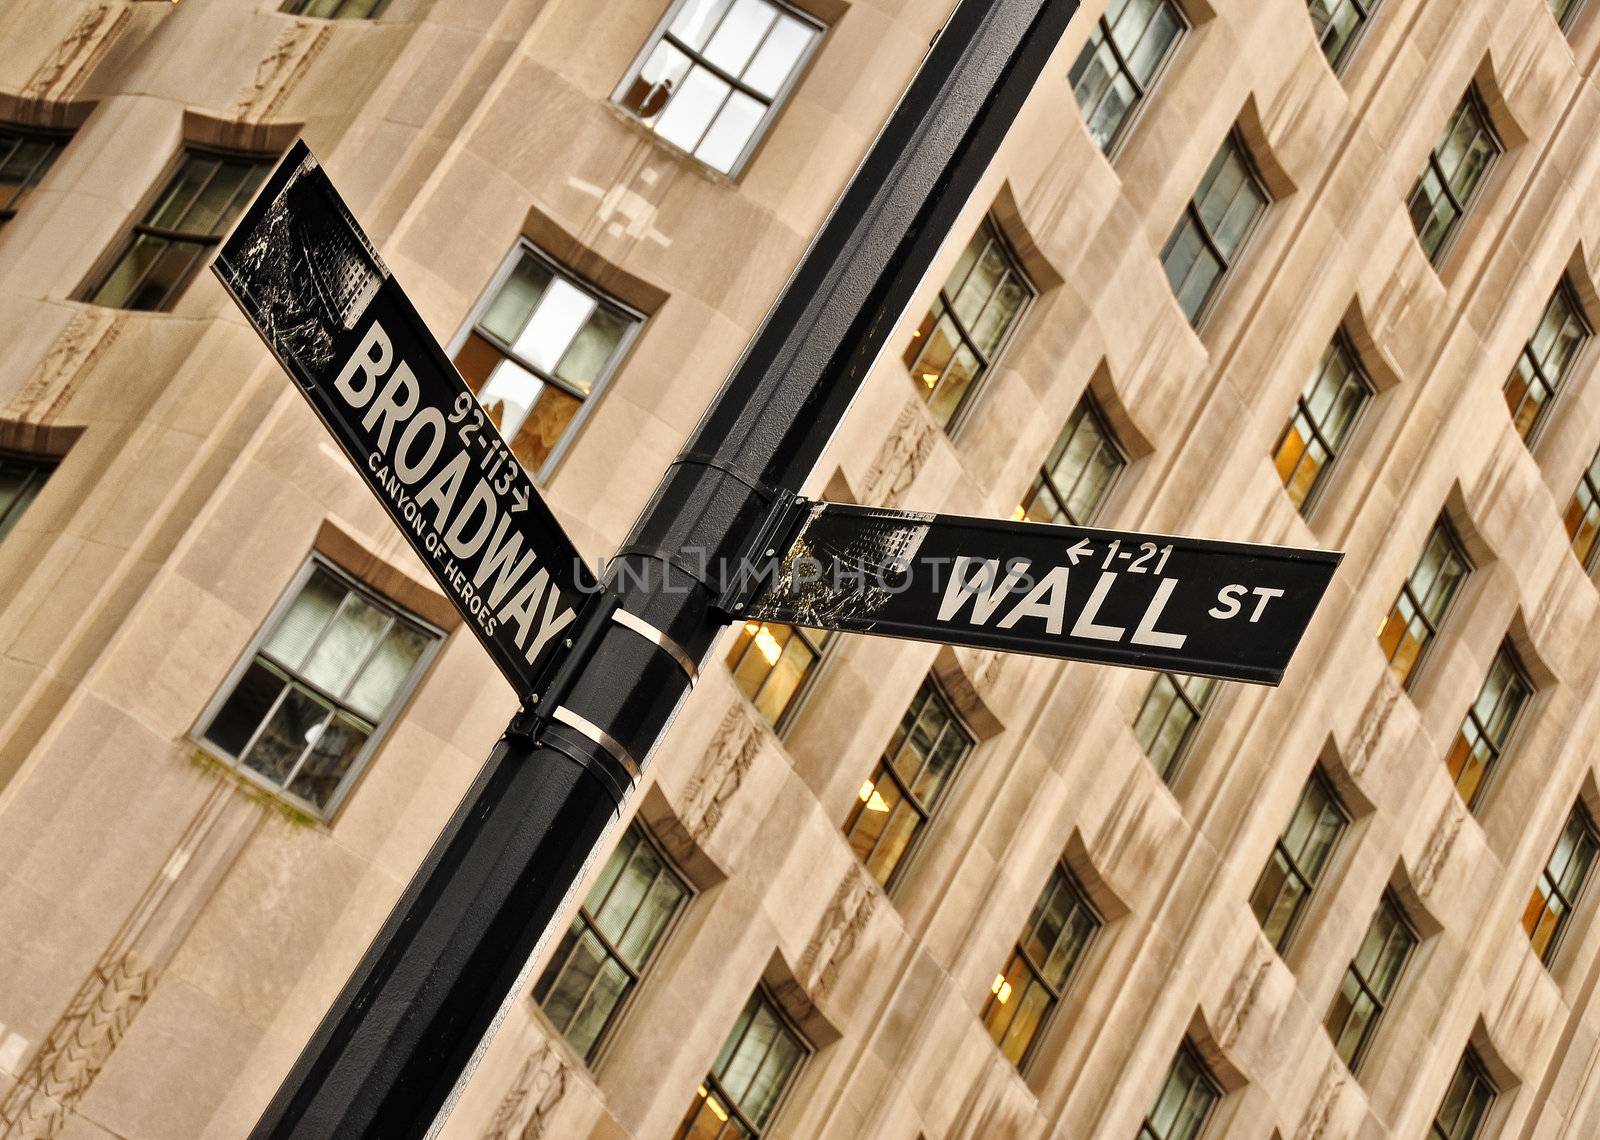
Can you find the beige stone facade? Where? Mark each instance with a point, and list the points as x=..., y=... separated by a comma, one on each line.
x=171, y=931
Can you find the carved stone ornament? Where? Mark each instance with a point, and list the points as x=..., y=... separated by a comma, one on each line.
x=76, y=56
x=900, y=458
x=728, y=757
x=83, y=341
x=541, y=1082
x=837, y=932
x=281, y=69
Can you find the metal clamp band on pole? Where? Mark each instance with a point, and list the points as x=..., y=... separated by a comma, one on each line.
x=660, y=640
x=600, y=736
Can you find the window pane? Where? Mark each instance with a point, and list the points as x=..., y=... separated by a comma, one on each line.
x=346, y=644
x=332, y=753
x=244, y=710
x=1120, y=62
x=1185, y=1100
x=1462, y=158
x=735, y=126
x=25, y=157
x=779, y=56
x=592, y=349
x=514, y=303
x=295, y=724
x=692, y=108
x=386, y=671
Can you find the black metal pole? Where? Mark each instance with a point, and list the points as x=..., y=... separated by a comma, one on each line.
x=393, y=1050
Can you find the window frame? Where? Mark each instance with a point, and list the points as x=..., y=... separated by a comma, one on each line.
x=1586, y=482
x=1369, y=15
x=1329, y=472
x=608, y=1033
x=130, y=231
x=797, y=700
x=1473, y=1065
x=1119, y=139
x=381, y=728
x=1546, y=412
x=1087, y=405
x=774, y=108
x=1452, y=235
x=39, y=469
x=1036, y=970
x=1454, y=538
x=26, y=132
x=1320, y=776
x=1564, y=923
x=1384, y=1004
x=884, y=762
x=1570, y=19
x=1187, y=1048
x=1493, y=767
x=297, y=8
x=586, y=404
x=1191, y=215
x=712, y=1083
x=1201, y=714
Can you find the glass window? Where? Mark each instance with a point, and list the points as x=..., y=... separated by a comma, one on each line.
x=328, y=674
x=1546, y=361
x=1119, y=65
x=619, y=928
x=26, y=155
x=1025, y=994
x=541, y=345
x=1186, y=1099
x=21, y=477
x=1582, y=517
x=1564, y=11
x=336, y=9
x=1453, y=176
x=172, y=241
x=896, y=803
x=1078, y=475
x=757, y=1065
x=962, y=336
x=1167, y=720
x=1423, y=602
x=715, y=73
x=1324, y=415
x=1466, y=1102
x=1488, y=725
x=1214, y=228
x=1560, y=884
x=1339, y=24
x=1299, y=857
x=772, y=663
x=1370, y=982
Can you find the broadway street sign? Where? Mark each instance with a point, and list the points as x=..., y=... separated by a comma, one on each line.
x=314, y=288
x=1218, y=609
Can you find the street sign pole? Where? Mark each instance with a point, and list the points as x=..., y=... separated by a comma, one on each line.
x=394, y=1049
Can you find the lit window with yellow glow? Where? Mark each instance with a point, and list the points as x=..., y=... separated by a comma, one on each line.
x=1488, y=725
x=1560, y=883
x=896, y=803
x=1324, y=416
x=964, y=333
x=772, y=663
x=1582, y=517
x=1424, y=600
x=1546, y=361
x=756, y=1067
x=1025, y=994
x=1078, y=475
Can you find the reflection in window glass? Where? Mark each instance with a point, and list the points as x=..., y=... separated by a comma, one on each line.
x=1582, y=517
x=1545, y=361
x=1339, y=24
x=772, y=664
x=1488, y=725
x=1185, y=1101
x=1466, y=1103
x=1167, y=720
x=1324, y=415
x=1560, y=883
x=1299, y=857
x=26, y=155
x=1453, y=176
x=22, y=477
x=1414, y=621
x=1370, y=982
x=1126, y=52
x=757, y=1065
x=1078, y=475
x=1214, y=228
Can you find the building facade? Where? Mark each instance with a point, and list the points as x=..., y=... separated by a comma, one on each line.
x=1317, y=274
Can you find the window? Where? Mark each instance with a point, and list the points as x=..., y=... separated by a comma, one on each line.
x=1582, y=517
x=26, y=155
x=540, y=347
x=337, y=9
x=1560, y=884
x=1546, y=361
x=1119, y=65
x=1299, y=857
x=1423, y=602
x=1564, y=11
x=962, y=335
x=772, y=663
x=331, y=669
x=21, y=477
x=1214, y=228
x=1370, y=982
x=1077, y=478
x=1168, y=718
x=1339, y=24
x=1466, y=1102
x=715, y=74
x=1488, y=725
x=1324, y=415
x=1186, y=1099
x=1453, y=176
x=757, y=1065
x=618, y=930
x=1025, y=994
x=166, y=248
x=896, y=803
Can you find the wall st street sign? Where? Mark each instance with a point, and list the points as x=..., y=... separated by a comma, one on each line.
x=1217, y=609
x=316, y=291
